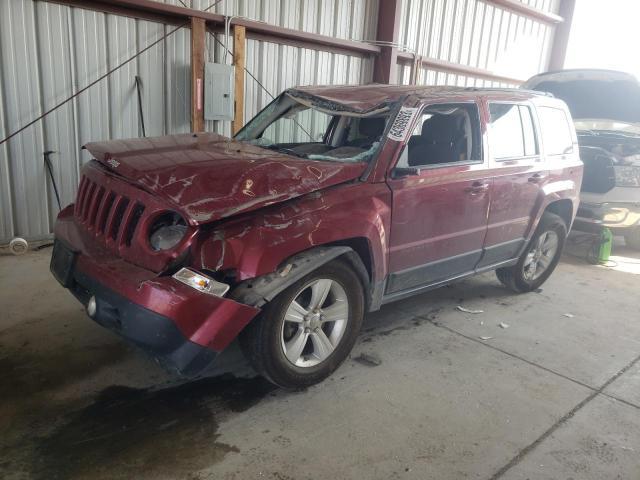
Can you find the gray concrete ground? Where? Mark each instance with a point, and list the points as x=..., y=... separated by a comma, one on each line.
x=550, y=397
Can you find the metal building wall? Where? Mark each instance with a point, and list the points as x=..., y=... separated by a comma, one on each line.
x=48, y=52
x=476, y=34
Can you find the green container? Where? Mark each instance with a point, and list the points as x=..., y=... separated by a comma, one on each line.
x=606, y=242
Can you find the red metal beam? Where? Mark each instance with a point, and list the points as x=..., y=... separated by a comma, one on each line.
x=456, y=68
x=561, y=36
x=172, y=14
x=163, y=15
x=385, y=69
x=277, y=34
x=527, y=11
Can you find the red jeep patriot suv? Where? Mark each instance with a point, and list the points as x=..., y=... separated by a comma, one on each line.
x=331, y=202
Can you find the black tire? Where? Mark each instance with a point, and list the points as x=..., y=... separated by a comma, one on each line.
x=632, y=238
x=261, y=340
x=514, y=278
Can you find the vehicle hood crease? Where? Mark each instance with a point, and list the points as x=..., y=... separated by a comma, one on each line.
x=207, y=177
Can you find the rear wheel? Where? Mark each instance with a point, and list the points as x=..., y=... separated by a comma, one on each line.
x=632, y=238
x=539, y=258
x=308, y=330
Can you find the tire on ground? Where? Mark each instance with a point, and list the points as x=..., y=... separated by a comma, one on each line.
x=513, y=277
x=261, y=340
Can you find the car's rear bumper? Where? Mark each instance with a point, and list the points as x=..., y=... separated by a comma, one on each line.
x=180, y=326
x=615, y=215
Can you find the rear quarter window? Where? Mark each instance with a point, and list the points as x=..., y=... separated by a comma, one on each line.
x=557, y=135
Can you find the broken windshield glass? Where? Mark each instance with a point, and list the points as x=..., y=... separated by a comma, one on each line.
x=298, y=127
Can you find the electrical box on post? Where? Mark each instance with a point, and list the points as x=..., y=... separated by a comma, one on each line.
x=218, y=91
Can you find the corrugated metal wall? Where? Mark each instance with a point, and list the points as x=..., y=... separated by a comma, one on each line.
x=477, y=34
x=48, y=51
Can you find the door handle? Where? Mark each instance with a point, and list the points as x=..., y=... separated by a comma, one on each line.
x=537, y=178
x=476, y=188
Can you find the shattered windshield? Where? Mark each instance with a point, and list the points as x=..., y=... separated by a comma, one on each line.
x=299, y=128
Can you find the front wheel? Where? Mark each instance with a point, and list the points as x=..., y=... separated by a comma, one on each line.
x=308, y=330
x=540, y=257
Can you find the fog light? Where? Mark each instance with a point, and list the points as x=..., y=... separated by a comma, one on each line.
x=201, y=282
x=92, y=307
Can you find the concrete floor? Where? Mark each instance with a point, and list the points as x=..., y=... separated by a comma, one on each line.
x=549, y=397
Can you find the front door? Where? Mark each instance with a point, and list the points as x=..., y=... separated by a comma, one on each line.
x=441, y=190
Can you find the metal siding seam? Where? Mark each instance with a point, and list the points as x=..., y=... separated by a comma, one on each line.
x=6, y=200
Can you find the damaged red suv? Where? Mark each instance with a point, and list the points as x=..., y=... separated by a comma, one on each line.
x=331, y=202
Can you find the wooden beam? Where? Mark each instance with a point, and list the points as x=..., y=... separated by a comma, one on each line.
x=385, y=68
x=198, y=31
x=561, y=36
x=415, y=69
x=239, y=43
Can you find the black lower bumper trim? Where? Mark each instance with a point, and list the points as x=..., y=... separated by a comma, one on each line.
x=155, y=334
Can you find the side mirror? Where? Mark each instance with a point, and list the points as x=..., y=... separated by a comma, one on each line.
x=400, y=172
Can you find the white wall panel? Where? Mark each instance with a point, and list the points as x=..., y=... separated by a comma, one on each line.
x=48, y=52
x=477, y=34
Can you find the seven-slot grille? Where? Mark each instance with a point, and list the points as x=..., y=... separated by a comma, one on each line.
x=109, y=215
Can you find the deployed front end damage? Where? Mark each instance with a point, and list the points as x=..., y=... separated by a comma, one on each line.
x=181, y=323
x=163, y=246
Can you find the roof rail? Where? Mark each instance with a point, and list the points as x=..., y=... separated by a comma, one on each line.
x=504, y=89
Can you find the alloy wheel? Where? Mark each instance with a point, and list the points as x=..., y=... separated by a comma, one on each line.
x=541, y=255
x=314, y=322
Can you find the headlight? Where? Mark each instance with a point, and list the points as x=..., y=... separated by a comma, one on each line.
x=627, y=176
x=201, y=282
x=167, y=231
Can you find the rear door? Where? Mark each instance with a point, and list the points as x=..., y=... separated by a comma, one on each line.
x=519, y=174
x=439, y=215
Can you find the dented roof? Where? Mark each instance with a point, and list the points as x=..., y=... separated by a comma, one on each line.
x=366, y=98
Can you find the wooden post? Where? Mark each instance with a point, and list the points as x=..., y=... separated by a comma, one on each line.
x=415, y=69
x=239, y=61
x=198, y=32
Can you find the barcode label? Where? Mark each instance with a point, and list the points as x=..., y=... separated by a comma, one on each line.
x=401, y=125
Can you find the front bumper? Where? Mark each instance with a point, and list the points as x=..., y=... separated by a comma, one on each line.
x=154, y=333
x=180, y=326
x=594, y=216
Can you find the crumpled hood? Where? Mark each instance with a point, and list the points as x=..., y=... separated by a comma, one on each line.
x=208, y=176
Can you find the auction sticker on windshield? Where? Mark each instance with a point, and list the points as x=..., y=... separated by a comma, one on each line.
x=401, y=125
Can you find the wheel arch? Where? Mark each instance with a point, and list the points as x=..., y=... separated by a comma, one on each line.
x=258, y=291
x=362, y=248
x=564, y=209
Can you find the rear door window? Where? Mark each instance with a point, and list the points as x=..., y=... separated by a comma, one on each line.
x=512, y=132
x=556, y=131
